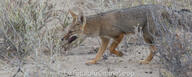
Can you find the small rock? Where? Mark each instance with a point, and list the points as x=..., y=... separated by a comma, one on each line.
x=139, y=52
x=105, y=57
x=150, y=72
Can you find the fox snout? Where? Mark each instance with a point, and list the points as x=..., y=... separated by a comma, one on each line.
x=69, y=38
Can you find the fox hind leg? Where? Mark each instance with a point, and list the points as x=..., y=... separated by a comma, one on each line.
x=150, y=56
x=148, y=39
x=115, y=43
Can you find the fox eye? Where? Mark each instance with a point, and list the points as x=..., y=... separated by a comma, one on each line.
x=70, y=31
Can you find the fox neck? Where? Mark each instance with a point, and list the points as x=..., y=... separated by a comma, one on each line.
x=91, y=28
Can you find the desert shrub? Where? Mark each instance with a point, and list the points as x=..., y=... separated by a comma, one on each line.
x=175, y=47
x=28, y=29
x=174, y=43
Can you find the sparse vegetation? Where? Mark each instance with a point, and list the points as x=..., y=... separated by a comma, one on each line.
x=31, y=32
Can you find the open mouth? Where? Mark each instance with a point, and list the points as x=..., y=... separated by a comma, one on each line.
x=72, y=38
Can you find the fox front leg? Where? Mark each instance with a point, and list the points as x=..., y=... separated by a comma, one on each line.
x=102, y=49
x=114, y=45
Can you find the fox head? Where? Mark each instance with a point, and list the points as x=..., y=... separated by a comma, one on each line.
x=76, y=28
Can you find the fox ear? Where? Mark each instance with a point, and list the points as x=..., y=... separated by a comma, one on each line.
x=82, y=17
x=73, y=14
x=83, y=20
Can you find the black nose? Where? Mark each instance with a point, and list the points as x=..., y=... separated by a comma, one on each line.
x=62, y=39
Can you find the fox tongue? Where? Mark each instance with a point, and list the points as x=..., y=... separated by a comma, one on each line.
x=71, y=39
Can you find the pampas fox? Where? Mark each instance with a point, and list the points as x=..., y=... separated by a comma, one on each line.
x=114, y=25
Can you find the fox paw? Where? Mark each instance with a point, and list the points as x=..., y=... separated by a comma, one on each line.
x=117, y=53
x=91, y=62
x=120, y=54
x=144, y=62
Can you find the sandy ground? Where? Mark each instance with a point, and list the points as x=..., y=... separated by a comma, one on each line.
x=126, y=65
x=73, y=64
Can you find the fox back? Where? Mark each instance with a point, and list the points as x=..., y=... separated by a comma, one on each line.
x=114, y=22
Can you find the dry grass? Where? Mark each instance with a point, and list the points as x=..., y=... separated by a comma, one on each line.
x=32, y=29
